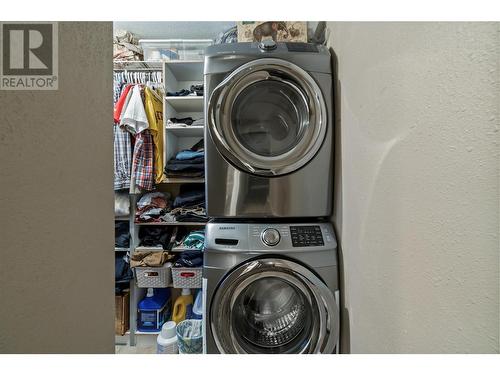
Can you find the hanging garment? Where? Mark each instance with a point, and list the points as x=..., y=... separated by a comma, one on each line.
x=143, y=160
x=122, y=157
x=121, y=103
x=154, y=113
x=134, y=116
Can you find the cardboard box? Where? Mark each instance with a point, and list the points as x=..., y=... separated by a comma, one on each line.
x=122, y=313
x=279, y=31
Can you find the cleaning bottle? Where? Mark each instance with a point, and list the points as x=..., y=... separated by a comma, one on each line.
x=167, y=339
x=153, y=310
x=183, y=306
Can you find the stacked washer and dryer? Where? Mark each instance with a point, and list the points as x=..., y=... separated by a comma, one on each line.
x=270, y=263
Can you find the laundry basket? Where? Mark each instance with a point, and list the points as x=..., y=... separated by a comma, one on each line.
x=185, y=277
x=154, y=277
x=190, y=336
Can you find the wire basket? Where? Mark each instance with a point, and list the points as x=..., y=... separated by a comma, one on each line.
x=185, y=277
x=154, y=277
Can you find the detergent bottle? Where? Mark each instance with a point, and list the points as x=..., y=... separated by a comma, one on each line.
x=167, y=339
x=183, y=306
x=153, y=310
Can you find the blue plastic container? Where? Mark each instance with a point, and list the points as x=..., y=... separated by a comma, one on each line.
x=153, y=310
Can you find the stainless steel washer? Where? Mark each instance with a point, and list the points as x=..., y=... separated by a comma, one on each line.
x=270, y=288
x=269, y=129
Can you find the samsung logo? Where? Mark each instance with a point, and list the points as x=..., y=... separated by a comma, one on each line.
x=227, y=228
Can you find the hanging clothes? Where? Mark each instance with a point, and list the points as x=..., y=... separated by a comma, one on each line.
x=122, y=144
x=122, y=157
x=120, y=103
x=154, y=113
x=143, y=160
x=134, y=116
x=138, y=131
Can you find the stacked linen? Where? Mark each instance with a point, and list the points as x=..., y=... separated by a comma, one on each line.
x=152, y=206
x=185, y=121
x=187, y=163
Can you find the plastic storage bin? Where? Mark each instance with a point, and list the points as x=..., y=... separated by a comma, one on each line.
x=185, y=277
x=154, y=277
x=174, y=49
x=190, y=336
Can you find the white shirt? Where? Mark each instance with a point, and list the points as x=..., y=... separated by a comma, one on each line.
x=134, y=115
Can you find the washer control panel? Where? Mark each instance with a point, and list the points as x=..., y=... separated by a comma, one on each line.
x=303, y=236
x=270, y=236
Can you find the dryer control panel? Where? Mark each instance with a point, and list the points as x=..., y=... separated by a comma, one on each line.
x=304, y=236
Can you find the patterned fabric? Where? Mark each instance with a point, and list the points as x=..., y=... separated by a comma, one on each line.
x=122, y=157
x=143, y=160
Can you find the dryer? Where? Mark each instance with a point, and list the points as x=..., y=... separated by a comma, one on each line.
x=269, y=130
x=270, y=288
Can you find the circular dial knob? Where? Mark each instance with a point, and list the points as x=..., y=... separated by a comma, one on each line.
x=267, y=45
x=270, y=236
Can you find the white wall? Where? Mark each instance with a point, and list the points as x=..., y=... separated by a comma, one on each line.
x=419, y=202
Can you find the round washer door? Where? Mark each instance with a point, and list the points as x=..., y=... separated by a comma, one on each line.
x=271, y=305
x=268, y=117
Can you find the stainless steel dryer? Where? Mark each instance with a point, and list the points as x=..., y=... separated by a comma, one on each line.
x=270, y=288
x=269, y=130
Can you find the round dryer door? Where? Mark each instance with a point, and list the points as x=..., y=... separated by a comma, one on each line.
x=268, y=117
x=274, y=306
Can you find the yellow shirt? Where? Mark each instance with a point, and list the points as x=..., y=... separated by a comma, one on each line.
x=154, y=113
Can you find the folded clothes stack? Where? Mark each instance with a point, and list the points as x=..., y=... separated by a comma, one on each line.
x=152, y=206
x=194, y=90
x=185, y=121
x=155, y=237
x=122, y=234
x=187, y=163
x=123, y=273
x=189, y=258
x=188, y=206
x=150, y=258
x=195, y=239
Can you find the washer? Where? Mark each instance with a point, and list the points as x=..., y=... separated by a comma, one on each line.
x=270, y=288
x=269, y=130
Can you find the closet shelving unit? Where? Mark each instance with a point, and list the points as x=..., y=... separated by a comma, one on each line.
x=135, y=293
x=177, y=75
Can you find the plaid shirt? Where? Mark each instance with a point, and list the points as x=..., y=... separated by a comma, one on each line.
x=122, y=157
x=143, y=160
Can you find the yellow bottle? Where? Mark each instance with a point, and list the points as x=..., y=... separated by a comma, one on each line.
x=183, y=306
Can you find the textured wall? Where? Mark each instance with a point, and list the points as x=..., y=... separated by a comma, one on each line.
x=56, y=267
x=419, y=194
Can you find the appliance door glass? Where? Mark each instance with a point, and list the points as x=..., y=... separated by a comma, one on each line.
x=274, y=306
x=268, y=117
